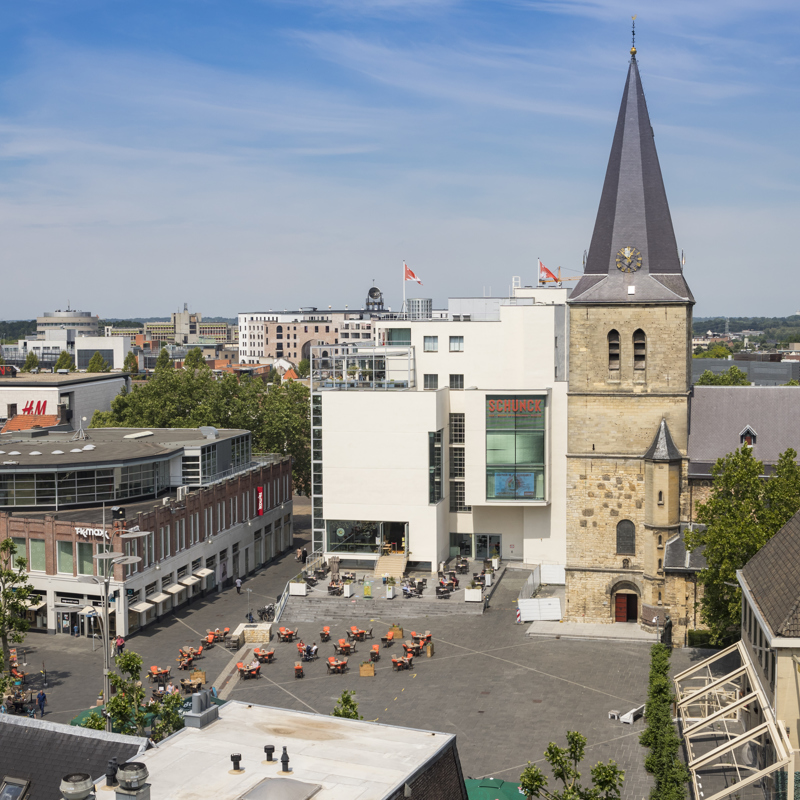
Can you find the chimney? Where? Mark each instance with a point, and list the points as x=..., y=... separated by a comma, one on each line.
x=203, y=710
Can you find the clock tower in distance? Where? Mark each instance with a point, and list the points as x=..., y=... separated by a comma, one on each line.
x=629, y=382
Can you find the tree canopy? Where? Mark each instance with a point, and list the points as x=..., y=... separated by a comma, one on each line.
x=97, y=363
x=346, y=706
x=194, y=359
x=278, y=416
x=64, y=361
x=164, y=361
x=730, y=377
x=14, y=591
x=131, y=363
x=607, y=779
x=742, y=513
x=304, y=368
x=31, y=362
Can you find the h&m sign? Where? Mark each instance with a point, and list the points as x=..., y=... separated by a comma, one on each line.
x=40, y=407
x=92, y=533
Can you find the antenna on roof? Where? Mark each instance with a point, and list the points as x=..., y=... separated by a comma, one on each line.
x=80, y=433
x=633, y=35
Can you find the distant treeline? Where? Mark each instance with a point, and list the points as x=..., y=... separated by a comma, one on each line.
x=780, y=329
x=11, y=330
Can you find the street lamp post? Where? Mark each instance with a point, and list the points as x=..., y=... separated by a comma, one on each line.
x=109, y=559
x=249, y=604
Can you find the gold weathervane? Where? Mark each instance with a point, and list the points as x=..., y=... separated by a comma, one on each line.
x=633, y=35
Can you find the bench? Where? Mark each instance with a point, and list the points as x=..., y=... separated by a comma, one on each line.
x=632, y=715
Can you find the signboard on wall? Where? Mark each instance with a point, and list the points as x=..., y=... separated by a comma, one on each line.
x=260, y=501
x=504, y=407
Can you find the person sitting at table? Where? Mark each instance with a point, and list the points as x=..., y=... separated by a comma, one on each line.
x=186, y=662
x=170, y=688
x=253, y=664
x=313, y=650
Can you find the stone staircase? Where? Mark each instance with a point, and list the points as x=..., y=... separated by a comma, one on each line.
x=393, y=564
x=325, y=610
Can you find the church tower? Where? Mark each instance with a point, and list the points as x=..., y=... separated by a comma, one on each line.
x=629, y=381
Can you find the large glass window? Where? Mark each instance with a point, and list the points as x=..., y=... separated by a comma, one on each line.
x=21, y=543
x=398, y=336
x=85, y=560
x=515, y=448
x=38, y=557
x=626, y=537
x=65, y=558
x=354, y=536
x=435, y=466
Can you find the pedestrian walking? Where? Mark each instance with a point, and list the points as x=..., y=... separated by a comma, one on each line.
x=75, y=630
x=41, y=700
x=238, y=586
x=120, y=644
x=305, y=555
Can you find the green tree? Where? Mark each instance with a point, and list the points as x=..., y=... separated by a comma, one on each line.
x=169, y=717
x=64, y=361
x=731, y=377
x=14, y=591
x=274, y=377
x=164, y=362
x=278, y=416
x=31, y=362
x=131, y=363
x=660, y=736
x=347, y=706
x=715, y=351
x=744, y=510
x=304, y=368
x=125, y=706
x=607, y=779
x=97, y=363
x=194, y=359
x=792, y=383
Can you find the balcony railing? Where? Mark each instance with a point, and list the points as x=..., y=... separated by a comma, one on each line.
x=365, y=367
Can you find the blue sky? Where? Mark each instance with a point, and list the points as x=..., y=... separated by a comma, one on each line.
x=243, y=154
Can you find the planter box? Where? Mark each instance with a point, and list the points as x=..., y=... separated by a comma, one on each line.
x=348, y=590
x=298, y=589
x=389, y=592
x=366, y=670
x=495, y=563
x=473, y=595
x=489, y=577
x=397, y=631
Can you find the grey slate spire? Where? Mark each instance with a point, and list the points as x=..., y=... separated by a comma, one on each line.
x=663, y=448
x=633, y=244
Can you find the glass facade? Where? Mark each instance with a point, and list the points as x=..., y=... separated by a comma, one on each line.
x=347, y=536
x=75, y=487
x=435, y=466
x=515, y=447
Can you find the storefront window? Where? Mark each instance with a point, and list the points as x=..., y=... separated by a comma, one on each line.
x=353, y=536
x=21, y=550
x=65, y=558
x=515, y=448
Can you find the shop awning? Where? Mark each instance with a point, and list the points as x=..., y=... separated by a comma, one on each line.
x=204, y=573
x=158, y=598
x=141, y=607
x=87, y=610
x=35, y=604
x=174, y=589
x=190, y=581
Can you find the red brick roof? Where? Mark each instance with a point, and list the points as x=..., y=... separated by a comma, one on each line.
x=290, y=375
x=24, y=422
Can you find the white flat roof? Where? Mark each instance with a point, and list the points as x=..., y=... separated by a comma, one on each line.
x=346, y=758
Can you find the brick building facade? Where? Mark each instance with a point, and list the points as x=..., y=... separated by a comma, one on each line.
x=194, y=545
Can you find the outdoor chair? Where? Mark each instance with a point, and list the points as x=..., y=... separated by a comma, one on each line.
x=240, y=668
x=298, y=670
x=252, y=673
x=388, y=639
x=331, y=665
x=325, y=635
x=368, y=634
x=375, y=653
x=397, y=664
x=199, y=652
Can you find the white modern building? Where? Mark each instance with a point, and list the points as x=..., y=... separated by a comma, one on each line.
x=446, y=435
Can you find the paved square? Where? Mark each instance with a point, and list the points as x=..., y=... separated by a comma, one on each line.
x=505, y=695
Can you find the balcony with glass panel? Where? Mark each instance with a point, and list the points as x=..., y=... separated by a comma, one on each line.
x=362, y=367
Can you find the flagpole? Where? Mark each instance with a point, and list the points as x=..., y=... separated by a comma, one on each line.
x=403, y=309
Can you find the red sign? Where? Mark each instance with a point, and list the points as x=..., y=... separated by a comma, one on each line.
x=260, y=505
x=39, y=408
x=8, y=369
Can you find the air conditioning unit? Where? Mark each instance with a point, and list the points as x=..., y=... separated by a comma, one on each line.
x=182, y=492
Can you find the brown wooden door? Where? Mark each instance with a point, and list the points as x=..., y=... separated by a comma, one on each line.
x=621, y=608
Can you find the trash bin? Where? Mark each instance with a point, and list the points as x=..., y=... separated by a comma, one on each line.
x=429, y=650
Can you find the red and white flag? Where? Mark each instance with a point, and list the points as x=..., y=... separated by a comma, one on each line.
x=408, y=275
x=545, y=274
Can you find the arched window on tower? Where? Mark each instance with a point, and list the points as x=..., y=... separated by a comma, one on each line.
x=639, y=350
x=626, y=537
x=613, y=350
x=661, y=499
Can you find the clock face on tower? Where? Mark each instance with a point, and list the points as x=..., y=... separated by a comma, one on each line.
x=629, y=259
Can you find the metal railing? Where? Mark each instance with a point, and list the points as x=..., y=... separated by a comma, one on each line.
x=314, y=559
x=257, y=461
